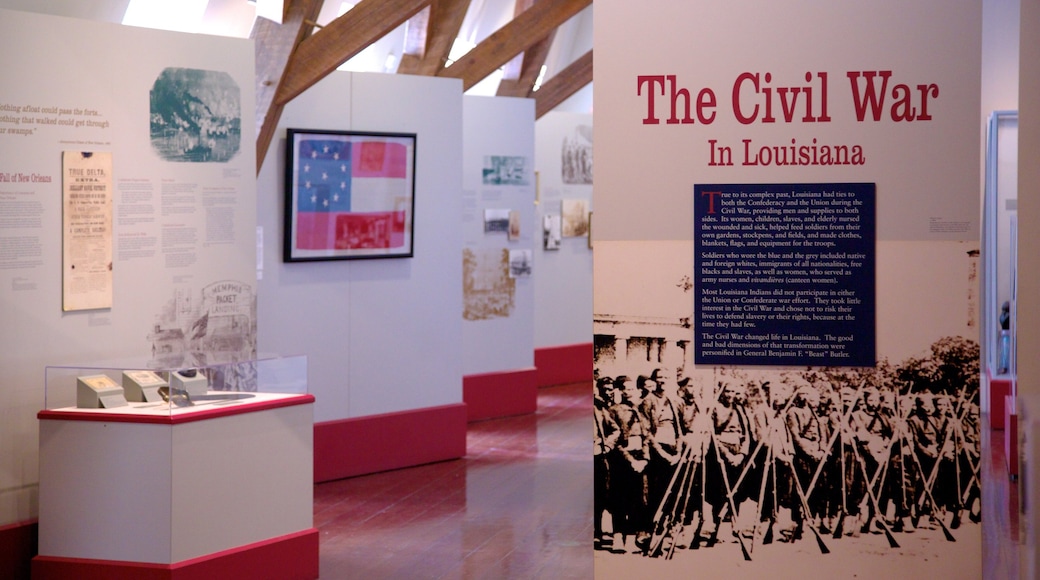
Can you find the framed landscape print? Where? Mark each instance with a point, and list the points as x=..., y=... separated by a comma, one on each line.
x=349, y=195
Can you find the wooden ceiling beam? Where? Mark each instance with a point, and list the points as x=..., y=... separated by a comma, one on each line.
x=274, y=44
x=520, y=73
x=534, y=57
x=442, y=28
x=511, y=70
x=564, y=84
x=342, y=39
x=529, y=27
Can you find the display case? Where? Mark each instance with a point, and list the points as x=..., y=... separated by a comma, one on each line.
x=171, y=470
x=143, y=388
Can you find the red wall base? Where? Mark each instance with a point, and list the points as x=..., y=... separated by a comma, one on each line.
x=500, y=394
x=563, y=365
x=291, y=556
x=18, y=545
x=1011, y=435
x=998, y=390
x=375, y=443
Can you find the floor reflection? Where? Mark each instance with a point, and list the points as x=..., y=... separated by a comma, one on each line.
x=517, y=506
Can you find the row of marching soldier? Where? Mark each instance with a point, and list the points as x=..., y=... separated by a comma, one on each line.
x=675, y=464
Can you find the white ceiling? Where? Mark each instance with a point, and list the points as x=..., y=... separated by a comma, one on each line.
x=235, y=18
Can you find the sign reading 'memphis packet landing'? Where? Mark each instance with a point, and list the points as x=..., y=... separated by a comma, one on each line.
x=759, y=98
x=785, y=274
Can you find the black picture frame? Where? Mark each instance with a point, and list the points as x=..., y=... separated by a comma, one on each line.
x=349, y=195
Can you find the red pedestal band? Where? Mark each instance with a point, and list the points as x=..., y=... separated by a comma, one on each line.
x=18, y=545
x=999, y=389
x=294, y=556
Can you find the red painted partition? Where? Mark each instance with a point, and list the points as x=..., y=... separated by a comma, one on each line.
x=500, y=394
x=563, y=365
x=375, y=443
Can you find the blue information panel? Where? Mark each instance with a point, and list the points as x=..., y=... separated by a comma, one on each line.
x=785, y=274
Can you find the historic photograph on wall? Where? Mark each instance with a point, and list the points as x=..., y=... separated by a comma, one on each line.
x=574, y=218
x=521, y=263
x=505, y=170
x=196, y=116
x=576, y=156
x=212, y=325
x=551, y=232
x=721, y=466
x=496, y=220
x=514, y=225
x=488, y=289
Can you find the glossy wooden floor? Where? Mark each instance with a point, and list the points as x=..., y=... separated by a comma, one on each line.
x=519, y=505
x=999, y=510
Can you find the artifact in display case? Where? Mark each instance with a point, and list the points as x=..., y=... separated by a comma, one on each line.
x=181, y=398
x=190, y=381
x=98, y=392
x=142, y=386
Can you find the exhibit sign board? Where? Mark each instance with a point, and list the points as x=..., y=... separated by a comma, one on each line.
x=785, y=304
x=785, y=274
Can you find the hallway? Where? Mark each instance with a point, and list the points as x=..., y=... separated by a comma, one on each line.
x=519, y=505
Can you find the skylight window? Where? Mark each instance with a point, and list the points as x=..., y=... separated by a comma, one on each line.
x=177, y=15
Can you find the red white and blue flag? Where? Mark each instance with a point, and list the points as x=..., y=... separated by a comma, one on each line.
x=352, y=194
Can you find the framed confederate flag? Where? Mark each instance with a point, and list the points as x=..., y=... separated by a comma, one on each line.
x=349, y=195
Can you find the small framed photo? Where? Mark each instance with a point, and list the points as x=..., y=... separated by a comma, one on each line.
x=349, y=195
x=514, y=225
x=574, y=218
x=496, y=220
x=551, y=232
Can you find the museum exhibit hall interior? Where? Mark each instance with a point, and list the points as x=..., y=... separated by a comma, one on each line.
x=320, y=289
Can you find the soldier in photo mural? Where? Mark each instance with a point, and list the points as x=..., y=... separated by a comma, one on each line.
x=830, y=498
x=627, y=463
x=873, y=434
x=663, y=419
x=895, y=490
x=605, y=440
x=807, y=442
x=729, y=453
x=694, y=446
x=771, y=460
x=827, y=454
x=924, y=436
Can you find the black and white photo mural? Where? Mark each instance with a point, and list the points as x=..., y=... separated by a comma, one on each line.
x=738, y=459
